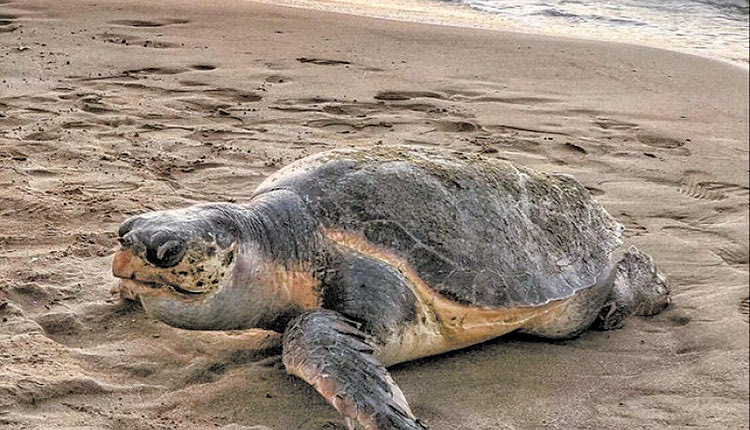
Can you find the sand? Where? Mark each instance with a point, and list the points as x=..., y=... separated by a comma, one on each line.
x=110, y=109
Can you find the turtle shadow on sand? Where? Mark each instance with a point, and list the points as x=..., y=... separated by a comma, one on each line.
x=368, y=258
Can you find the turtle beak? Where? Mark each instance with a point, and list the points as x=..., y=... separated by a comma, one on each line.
x=122, y=264
x=122, y=267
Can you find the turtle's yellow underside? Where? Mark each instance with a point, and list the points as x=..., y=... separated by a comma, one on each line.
x=443, y=325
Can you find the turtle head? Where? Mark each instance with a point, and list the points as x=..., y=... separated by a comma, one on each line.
x=193, y=268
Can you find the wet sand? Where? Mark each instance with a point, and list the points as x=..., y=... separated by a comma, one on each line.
x=112, y=109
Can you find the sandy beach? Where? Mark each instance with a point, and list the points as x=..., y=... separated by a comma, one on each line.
x=112, y=109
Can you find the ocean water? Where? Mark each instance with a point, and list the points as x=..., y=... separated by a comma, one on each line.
x=713, y=28
x=716, y=28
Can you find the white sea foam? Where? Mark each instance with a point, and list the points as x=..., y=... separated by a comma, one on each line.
x=713, y=27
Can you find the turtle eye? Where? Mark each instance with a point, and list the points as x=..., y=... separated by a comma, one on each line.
x=169, y=250
x=165, y=249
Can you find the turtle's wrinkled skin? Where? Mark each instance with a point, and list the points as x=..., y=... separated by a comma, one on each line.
x=368, y=257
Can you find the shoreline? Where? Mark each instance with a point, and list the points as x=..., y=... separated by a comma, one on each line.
x=424, y=12
x=119, y=108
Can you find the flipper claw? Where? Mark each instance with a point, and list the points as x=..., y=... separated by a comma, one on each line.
x=329, y=352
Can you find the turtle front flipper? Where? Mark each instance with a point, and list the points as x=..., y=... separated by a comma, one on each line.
x=329, y=352
x=638, y=289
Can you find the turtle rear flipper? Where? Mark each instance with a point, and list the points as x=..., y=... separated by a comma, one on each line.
x=638, y=289
x=329, y=352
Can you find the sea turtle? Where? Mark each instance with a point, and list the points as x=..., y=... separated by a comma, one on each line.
x=364, y=258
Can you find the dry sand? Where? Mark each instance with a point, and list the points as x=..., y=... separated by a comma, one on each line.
x=110, y=109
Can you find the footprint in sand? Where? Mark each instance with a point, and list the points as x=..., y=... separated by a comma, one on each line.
x=632, y=131
x=733, y=255
x=276, y=79
x=744, y=308
x=6, y=23
x=204, y=104
x=457, y=126
x=203, y=67
x=353, y=108
x=234, y=95
x=130, y=40
x=42, y=136
x=131, y=74
x=613, y=124
x=13, y=154
x=678, y=320
x=96, y=108
x=344, y=126
x=595, y=191
x=711, y=190
x=7, y=19
x=322, y=61
x=137, y=23
x=407, y=95
x=115, y=187
x=700, y=191
x=189, y=83
x=80, y=125
x=658, y=141
x=26, y=209
x=60, y=323
x=632, y=227
x=155, y=71
x=520, y=100
x=94, y=104
x=572, y=147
